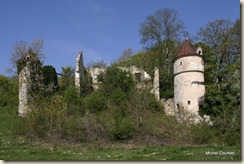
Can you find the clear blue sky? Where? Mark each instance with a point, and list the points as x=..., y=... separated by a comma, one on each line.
x=101, y=29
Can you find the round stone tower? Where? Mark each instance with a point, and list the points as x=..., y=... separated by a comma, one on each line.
x=189, y=85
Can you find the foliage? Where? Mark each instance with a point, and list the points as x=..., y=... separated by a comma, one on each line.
x=116, y=78
x=122, y=127
x=9, y=94
x=222, y=63
x=21, y=47
x=98, y=64
x=163, y=25
x=95, y=102
x=67, y=78
x=46, y=119
x=74, y=101
x=126, y=54
x=50, y=79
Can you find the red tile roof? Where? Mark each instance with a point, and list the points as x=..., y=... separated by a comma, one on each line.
x=186, y=49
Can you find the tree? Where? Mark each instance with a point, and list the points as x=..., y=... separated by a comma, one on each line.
x=217, y=35
x=163, y=25
x=21, y=47
x=67, y=78
x=161, y=34
x=221, y=39
x=50, y=79
x=126, y=54
x=98, y=64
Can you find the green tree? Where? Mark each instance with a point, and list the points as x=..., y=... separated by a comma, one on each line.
x=68, y=77
x=9, y=93
x=222, y=73
x=116, y=78
x=50, y=79
x=161, y=34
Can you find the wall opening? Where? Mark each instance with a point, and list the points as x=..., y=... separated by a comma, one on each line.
x=180, y=63
x=200, y=52
x=189, y=102
x=138, y=77
x=178, y=106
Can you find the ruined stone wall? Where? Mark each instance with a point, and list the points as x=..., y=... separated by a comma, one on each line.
x=24, y=91
x=156, y=84
x=168, y=106
x=94, y=72
x=79, y=71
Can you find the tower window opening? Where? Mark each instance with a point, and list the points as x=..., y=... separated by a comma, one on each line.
x=189, y=102
x=178, y=106
x=200, y=52
x=180, y=63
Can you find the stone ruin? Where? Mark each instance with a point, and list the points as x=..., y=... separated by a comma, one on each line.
x=34, y=79
x=25, y=84
x=79, y=71
x=24, y=88
x=142, y=78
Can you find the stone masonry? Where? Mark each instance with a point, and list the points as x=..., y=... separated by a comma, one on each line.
x=24, y=91
x=79, y=71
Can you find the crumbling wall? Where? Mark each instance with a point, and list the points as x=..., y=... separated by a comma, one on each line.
x=24, y=91
x=94, y=72
x=156, y=84
x=79, y=71
x=168, y=106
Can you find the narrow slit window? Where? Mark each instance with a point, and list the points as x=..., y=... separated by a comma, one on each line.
x=178, y=106
x=180, y=63
x=189, y=102
x=200, y=52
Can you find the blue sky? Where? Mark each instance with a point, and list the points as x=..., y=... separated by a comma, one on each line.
x=101, y=29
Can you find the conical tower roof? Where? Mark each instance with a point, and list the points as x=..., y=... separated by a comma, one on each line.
x=186, y=49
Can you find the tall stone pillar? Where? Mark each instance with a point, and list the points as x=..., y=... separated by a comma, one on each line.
x=156, y=84
x=79, y=71
x=24, y=91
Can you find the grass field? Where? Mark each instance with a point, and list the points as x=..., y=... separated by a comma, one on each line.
x=17, y=148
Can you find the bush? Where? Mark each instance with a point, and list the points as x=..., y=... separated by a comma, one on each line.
x=50, y=79
x=202, y=134
x=74, y=101
x=121, y=125
x=118, y=96
x=95, y=102
x=47, y=117
x=73, y=130
x=116, y=78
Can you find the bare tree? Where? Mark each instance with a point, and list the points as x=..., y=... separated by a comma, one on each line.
x=21, y=47
x=163, y=25
x=126, y=54
x=37, y=47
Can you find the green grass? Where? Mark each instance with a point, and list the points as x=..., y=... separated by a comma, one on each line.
x=21, y=150
x=17, y=148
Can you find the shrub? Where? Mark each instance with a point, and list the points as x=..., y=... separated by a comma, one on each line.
x=50, y=79
x=47, y=117
x=118, y=96
x=116, y=78
x=95, y=102
x=73, y=130
x=122, y=127
x=73, y=100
